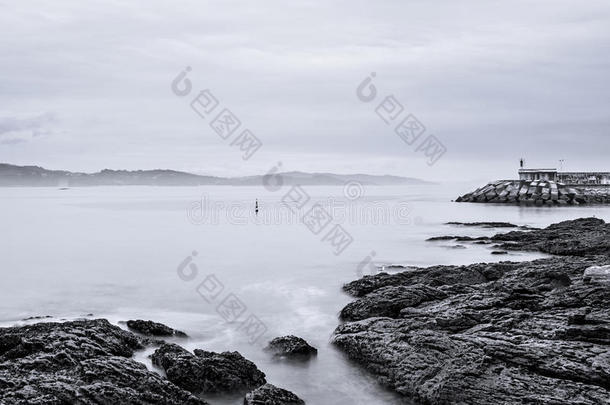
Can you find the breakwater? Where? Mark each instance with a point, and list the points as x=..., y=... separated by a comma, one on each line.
x=538, y=192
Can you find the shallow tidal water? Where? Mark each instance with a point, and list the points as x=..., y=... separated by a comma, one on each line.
x=127, y=253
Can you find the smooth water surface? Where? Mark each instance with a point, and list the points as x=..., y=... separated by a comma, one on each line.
x=114, y=252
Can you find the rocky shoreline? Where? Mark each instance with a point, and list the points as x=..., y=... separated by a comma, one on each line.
x=492, y=333
x=537, y=192
x=487, y=333
x=91, y=361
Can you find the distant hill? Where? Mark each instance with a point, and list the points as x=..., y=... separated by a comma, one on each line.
x=35, y=176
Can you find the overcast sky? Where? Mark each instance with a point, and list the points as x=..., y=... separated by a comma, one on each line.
x=85, y=85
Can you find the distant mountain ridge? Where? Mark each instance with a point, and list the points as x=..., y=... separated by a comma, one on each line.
x=35, y=176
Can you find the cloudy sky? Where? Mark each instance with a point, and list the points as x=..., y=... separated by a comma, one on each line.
x=85, y=85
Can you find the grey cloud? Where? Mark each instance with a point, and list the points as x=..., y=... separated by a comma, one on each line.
x=36, y=124
x=492, y=80
x=12, y=141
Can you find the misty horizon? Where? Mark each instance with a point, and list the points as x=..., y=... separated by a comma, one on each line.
x=491, y=83
x=11, y=175
x=509, y=174
x=305, y=203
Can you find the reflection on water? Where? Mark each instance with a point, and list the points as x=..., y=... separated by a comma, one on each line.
x=115, y=252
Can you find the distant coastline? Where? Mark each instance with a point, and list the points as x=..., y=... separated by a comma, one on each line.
x=35, y=176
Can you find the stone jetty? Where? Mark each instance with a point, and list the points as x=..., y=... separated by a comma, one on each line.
x=537, y=192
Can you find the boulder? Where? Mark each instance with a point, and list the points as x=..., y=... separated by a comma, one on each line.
x=484, y=224
x=207, y=372
x=81, y=362
x=388, y=301
x=150, y=328
x=269, y=394
x=292, y=347
x=584, y=236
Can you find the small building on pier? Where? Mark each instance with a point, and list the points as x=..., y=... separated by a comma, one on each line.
x=538, y=174
x=584, y=177
x=572, y=178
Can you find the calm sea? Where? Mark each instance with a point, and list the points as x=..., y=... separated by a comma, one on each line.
x=127, y=252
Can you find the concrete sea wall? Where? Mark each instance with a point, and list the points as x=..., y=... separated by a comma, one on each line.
x=537, y=192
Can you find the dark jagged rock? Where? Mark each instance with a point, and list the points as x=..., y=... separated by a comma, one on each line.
x=431, y=276
x=150, y=328
x=388, y=301
x=471, y=239
x=445, y=237
x=39, y=317
x=292, y=347
x=578, y=237
x=531, y=332
x=458, y=238
x=485, y=224
x=84, y=362
x=208, y=372
x=499, y=252
x=269, y=394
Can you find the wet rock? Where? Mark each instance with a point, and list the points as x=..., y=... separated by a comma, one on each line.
x=597, y=274
x=485, y=224
x=35, y=318
x=150, y=328
x=437, y=238
x=512, y=332
x=471, y=239
x=578, y=237
x=388, y=301
x=291, y=346
x=530, y=332
x=207, y=372
x=269, y=394
x=431, y=276
x=499, y=252
x=84, y=362
x=458, y=238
